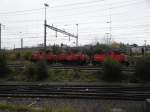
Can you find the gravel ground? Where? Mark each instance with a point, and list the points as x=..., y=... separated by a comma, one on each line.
x=83, y=105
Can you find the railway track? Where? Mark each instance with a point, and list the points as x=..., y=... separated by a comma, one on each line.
x=89, y=68
x=85, y=68
x=77, y=91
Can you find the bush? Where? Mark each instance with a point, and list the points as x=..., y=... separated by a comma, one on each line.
x=18, y=55
x=112, y=71
x=27, y=55
x=11, y=57
x=142, y=68
x=4, y=69
x=30, y=72
x=76, y=73
x=41, y=71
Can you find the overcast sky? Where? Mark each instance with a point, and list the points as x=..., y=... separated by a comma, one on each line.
x=130, y=21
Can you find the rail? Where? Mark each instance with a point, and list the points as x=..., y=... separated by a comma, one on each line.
x=85, y=68
x=139, y=93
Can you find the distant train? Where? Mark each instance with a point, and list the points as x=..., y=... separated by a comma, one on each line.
x=78, y=58
x=117, y=56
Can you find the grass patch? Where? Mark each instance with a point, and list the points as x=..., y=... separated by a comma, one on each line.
x=72, y=76
x=28, y=74
x=16, y=108
x=25, y=108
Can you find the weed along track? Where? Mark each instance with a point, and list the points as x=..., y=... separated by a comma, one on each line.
x=76, y=91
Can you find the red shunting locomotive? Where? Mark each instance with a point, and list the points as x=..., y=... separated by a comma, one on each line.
x=78, y=58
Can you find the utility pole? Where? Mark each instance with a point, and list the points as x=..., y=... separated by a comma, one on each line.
x=22, y=43
x=145, y=46
x=14, y=47
x=77, y=37
x=145, y=41
x=45, y=23
x=0, y=34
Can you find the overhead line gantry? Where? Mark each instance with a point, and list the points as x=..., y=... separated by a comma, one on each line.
x=63, y=32
x=57, y=30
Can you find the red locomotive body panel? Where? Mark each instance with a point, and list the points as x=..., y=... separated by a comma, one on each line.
x=118, y=57
x=83, y=57
x=61, y=57
x=76, y=57
x=113, y=55
x=38, y=56
x=99, y=57
x=71, y=57
x=50, y=57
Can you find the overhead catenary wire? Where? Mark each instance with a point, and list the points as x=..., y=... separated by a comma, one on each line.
x=85, y=25
x=39, y=9
x=42, y=9
x=103, y=15
x=22, y=11
x=87, y=4
x=81, y=23
x=86, y=11
x=32, y=11
x=82, y=34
